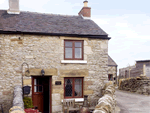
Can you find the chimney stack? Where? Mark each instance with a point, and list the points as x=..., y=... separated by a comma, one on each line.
x=13, y=7
x=85, y=11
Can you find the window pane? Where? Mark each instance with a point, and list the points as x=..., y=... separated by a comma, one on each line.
x=78, y=44
x=35, y=88
x=35, y=81
x=40, y=88
x=78, y=53
x=68, y=87
x=78, y=87
x=110, y=77
x=68, y=52
x=40, y=81
x=68, y=44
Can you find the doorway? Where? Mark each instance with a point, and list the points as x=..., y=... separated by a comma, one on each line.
x=41, y=93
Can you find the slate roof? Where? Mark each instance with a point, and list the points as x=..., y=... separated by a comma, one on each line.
x=29, y=22
x=143, y=61
x=111, y=62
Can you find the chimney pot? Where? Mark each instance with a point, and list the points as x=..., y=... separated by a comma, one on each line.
x=85, y=11
x=85, y=3
x=13, y=7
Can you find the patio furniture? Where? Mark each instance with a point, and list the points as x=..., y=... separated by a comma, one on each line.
x=85, y=108
x=92, y=103
x=69, y=105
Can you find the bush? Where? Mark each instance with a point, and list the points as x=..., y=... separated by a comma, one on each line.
x=27, y=102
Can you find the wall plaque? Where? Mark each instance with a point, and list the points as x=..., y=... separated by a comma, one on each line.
x=57, y=82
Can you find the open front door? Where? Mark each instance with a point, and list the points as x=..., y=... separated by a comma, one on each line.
x=41, y=93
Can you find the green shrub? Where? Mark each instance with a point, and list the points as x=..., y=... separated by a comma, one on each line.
x=27, y=102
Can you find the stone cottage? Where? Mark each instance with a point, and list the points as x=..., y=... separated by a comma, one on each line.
x=59, y=56
x=112, y=69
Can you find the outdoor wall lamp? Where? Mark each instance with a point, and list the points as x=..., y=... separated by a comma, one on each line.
x=26, y=71
x=22, y=74
x=42, y=72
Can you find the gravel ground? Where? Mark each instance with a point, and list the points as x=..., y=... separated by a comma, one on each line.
x=132, y=103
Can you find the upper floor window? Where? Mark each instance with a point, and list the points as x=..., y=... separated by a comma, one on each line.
x=73, y=50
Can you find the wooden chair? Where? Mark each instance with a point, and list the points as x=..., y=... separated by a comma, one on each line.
x=92, y=103
x=69, y=105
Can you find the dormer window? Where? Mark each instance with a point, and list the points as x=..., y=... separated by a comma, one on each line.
x=73, y=50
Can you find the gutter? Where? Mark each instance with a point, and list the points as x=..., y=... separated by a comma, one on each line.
x=58, y=34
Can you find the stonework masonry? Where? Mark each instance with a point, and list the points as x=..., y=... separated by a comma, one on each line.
x=112, y=70
x=136, y=70
x=46, y=52
x=107, y=103
x=139, y=85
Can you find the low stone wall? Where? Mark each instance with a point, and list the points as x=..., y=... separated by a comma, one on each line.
x=18, y=105
x=107, y=103
x=139, y=85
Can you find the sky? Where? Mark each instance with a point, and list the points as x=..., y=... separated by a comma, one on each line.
x=127, y=23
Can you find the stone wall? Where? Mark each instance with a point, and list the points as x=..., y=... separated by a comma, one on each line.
x=124, y=72
x=18, y=105
x=139, y=85
x=47, y=52
x=140, y=68
x=107, y=103
x=112, y=70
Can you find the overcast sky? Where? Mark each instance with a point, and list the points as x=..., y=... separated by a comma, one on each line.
x=127, y=23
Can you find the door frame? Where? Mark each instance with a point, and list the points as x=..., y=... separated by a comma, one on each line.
x=50, y=90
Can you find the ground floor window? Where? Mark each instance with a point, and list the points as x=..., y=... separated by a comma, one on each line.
x=110, y=77
x=73, y=88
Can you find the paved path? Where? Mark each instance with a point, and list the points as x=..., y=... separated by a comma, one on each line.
x=132, y=103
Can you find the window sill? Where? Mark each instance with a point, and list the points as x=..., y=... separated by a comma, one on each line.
x=73, y=61
x=76, y=99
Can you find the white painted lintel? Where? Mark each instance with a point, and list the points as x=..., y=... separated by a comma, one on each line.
x=76, y=99
x=74, y=61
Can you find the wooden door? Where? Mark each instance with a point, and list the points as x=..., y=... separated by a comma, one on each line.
x=37, y=93
x=41, y=93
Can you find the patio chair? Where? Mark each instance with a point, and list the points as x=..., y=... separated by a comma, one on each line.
x=92, y=103
x=70, y=106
